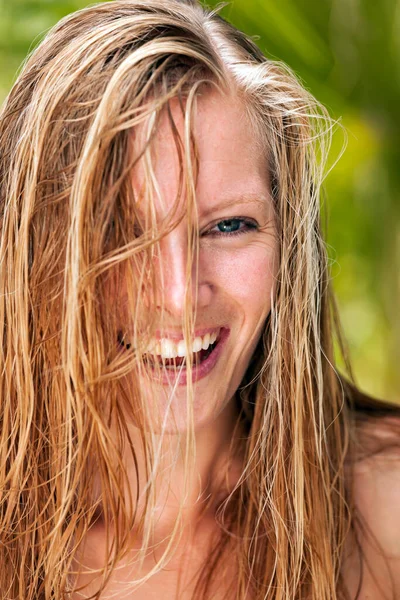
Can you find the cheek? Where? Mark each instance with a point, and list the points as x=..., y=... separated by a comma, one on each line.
x=247, y=274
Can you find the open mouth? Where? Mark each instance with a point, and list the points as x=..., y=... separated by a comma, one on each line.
x=179, y=362
x=162, y=360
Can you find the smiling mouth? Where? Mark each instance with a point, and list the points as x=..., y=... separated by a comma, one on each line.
x=166, y=359
x=179, y=362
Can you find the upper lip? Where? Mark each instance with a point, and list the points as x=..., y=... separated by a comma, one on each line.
x=175, y=336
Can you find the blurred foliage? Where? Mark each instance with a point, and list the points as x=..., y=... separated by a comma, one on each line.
x=347, y=53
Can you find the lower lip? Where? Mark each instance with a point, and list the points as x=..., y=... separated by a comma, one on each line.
x=168, y=377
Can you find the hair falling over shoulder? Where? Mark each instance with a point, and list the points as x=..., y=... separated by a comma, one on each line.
x=71, y=230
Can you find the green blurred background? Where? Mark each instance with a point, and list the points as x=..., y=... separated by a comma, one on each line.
x=347, y=53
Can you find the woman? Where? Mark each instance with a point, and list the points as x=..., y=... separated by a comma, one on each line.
x=172, y=419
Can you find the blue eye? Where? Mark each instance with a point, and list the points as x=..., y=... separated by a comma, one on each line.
x=230, y=227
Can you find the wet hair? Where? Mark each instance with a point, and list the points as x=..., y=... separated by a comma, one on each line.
x=72, y=229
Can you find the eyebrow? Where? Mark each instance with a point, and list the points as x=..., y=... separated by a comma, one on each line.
x=260, y=200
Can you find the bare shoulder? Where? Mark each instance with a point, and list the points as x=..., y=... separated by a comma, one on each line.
x=372, y=566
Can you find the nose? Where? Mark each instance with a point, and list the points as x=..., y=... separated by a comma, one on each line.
x=172, y=275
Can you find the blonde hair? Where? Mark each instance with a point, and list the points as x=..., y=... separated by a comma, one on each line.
x=70, y=225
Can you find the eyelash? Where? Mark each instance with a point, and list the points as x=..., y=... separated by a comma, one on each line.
x=250, y=225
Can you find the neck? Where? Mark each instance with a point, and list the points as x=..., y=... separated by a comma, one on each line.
x=193, y=494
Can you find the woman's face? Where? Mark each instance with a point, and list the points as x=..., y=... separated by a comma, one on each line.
x=237, y=258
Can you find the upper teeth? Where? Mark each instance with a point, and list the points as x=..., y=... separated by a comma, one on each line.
x=170, y=349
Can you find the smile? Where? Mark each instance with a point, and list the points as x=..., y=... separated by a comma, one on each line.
x=167, y=349
x=165, y=358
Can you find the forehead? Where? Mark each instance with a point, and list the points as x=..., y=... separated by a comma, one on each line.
x=230, y=159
